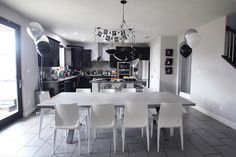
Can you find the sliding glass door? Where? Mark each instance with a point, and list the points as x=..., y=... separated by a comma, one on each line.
x=10, y=73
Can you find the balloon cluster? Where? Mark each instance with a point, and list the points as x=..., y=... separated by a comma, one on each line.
x=192, y=39
x=36, y=32
x=116, y=36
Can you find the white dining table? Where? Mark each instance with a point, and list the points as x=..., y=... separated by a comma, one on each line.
x=119, y=99
x=152, y=99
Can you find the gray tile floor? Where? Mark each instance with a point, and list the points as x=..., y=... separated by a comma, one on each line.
x=209, y=138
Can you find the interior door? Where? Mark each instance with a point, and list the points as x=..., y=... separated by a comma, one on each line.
x=10, y=73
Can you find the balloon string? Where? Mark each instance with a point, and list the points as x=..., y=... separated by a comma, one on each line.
x=41, y=75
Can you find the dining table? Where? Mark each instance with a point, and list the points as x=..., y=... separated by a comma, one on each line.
x=119, y=99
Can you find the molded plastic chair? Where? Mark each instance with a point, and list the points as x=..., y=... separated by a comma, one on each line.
x=136, y=116
x=66, y=117
x=111, y=90
x=152, y=111
x=102, y=116
x=43, y=97
x=186, y=109
x=170, y=116
x=83, y=90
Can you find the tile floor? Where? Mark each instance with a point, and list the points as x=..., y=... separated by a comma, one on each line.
x=209, y=138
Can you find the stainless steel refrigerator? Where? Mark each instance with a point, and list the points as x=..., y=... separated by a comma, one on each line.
x=142, y=71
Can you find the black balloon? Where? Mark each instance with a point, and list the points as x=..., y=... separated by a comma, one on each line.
x=43, y=48
x=185, y=50
x=120, y=56
x=111, y=51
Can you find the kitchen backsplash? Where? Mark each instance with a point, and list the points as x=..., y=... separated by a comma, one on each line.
x=95, y=66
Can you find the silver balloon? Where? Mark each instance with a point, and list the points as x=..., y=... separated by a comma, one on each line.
x=35, y=31
x=192, y=37
x=135, y=62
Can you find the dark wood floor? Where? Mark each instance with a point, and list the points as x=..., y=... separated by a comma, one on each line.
x=209, y=138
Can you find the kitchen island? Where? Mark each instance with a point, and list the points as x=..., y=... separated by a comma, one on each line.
x=118, y=84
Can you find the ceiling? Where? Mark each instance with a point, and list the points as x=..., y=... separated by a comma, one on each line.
x=75, y=20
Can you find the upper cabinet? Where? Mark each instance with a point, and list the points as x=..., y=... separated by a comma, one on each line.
x=80, y=57
x=143, y=53
x=52, y=59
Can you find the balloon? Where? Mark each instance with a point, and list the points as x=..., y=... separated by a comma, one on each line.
x=185, y=50
x=111, y=51
x=135, y=63
x=35, y=31
x=192, y=37
x=42, y=46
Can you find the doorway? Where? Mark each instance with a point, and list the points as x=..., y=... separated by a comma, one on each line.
x=184, y=76
x=10, y=73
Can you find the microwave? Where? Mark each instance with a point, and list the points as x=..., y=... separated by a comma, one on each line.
x=123, y=66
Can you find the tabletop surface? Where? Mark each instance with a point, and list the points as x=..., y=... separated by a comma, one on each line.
x=152, y=99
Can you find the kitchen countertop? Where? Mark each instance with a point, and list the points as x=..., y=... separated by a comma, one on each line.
x=71, y=77
x=121, y=81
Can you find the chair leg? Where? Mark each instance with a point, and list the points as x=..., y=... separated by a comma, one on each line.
x=89, y=131
x=94, y=133
x=171, y=132
x=41, y=120
x=79, y=141
x=114, y=138
x=123, y=139
x=182, y=137
x=54, y=141
x=142, y=132
x=147, y=134
x=86, y=127
x=151, y=128
x=158, y=138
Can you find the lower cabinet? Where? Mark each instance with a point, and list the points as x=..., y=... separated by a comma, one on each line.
x=84, y=82
x=55, y=87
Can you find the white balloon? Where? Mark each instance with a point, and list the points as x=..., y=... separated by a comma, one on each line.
x=35, y=31
x=192, y=37
x=135, y=62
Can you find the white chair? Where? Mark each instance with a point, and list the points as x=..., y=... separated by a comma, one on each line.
x=111, y=90
x=43, y=97
x=170, y=116
x=66, y=117
x=83, y=90
x=129, y=90
x=186, y=109
x=102, y=116
x=135, y=116
x=152, y=111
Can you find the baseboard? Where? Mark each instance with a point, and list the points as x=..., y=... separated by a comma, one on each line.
x=29, y=112
x=219, y=118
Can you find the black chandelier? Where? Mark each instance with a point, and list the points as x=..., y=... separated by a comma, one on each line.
x=123, y=35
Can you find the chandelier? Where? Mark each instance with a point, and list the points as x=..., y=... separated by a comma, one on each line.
x=123, y=35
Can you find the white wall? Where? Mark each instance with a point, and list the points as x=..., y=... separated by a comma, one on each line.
x=213, y=84
x=29, y=62
x=168, y=81
x=155, y=59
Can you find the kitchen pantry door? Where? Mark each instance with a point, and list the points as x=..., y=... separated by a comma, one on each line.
x=10, y=73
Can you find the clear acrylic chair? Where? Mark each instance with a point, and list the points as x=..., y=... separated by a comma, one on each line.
x=43, y=97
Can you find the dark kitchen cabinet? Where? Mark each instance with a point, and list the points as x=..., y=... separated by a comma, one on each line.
x=52, y=59
x=84, y=82
x=80, y=57
x=86, y=58
x=143, y=53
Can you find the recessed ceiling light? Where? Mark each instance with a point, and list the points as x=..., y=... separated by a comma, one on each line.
x=82, y=39
x=75, y=33
x=63, y=34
